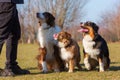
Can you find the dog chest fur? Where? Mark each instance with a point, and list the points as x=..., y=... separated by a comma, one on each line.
x=88, y=44
x=45, y=36
x=65, y=55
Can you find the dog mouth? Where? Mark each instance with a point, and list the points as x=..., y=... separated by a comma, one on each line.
x=83, y=29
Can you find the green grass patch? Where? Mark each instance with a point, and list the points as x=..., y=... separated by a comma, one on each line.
x=26, y=59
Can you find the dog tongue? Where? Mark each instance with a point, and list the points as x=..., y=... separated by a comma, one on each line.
x=83, y=30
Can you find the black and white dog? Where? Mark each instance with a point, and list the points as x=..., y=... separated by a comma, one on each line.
x=49, y=52
x=95, y=47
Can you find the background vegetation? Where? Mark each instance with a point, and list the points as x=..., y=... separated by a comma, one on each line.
x=68, y=15
x=110, y=25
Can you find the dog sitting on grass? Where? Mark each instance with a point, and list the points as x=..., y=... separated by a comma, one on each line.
x=95, y=47
x=69, y=50
x=48, y=59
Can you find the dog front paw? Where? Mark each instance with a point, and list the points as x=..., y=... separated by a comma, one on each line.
x=44, y=71
x=70, y=71
x=101, y=71
x=88, y=67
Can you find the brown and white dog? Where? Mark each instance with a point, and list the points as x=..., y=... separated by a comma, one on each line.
x=69, y=50
x=49, y=53
x=95, y=47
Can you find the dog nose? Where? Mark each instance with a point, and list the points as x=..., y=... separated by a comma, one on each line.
x=65, y=41
x=40, y=16
x=81, y=24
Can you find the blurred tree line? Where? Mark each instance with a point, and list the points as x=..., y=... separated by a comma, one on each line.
x=68, y=14
x=110, y=24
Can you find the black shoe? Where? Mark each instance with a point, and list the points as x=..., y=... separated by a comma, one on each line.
x=18, y=71
x=6, y=72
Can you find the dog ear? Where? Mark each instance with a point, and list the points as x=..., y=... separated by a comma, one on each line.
x=50, y=19
x=96, y=28
x=81, y=24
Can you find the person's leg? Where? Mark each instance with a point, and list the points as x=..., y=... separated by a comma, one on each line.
x=11, y=52
x=11, y=46
x=6, y=11
x=1, y=45
x=12, y=41
x=11, y=56
x=10, y=31
x=5, y=18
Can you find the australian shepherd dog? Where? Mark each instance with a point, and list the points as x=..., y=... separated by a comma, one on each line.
x=95, y=47
x=48, y=59
x=69, y=50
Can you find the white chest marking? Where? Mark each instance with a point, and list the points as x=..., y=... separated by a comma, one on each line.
x=46, y=35
x=65, y=55
x=88, y=46
x=42, y=37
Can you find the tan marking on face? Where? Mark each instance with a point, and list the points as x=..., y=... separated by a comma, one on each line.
x=90, y=32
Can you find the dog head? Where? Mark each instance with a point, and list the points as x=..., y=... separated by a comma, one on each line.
x=64, y=38
x=89, y=28
x=47, y=18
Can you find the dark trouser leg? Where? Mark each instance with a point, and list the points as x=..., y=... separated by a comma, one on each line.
x=11, y=52
x=10, y=31
x=12, y=41
x=6, y=15
x=1, y=45
x=11, y=46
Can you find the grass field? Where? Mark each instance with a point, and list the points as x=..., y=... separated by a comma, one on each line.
x=26, y=59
